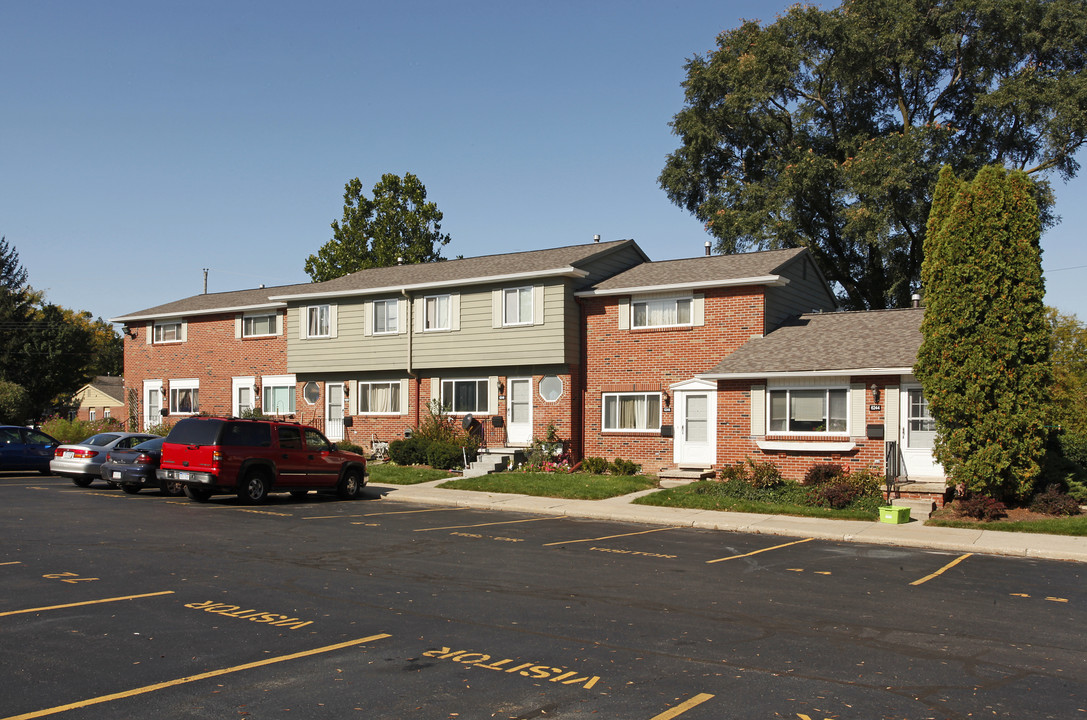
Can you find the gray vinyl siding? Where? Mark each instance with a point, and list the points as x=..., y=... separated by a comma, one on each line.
x=478, y=345
x=609, y=265
x=351, y=350
x=806, y=292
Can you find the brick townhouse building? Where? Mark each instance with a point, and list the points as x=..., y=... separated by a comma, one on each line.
x=693, y=363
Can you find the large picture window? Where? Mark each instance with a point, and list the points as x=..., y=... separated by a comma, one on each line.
x=168, y=331
x=668, y=312
x=436, y=313
x=465, y=396
x=385, y=319
x=377, y=398
x=258, y=325
x=809, y=410
x=277, y=394
x=317, y=321
x=632, y=411
x=184, y=397
x=517, y=306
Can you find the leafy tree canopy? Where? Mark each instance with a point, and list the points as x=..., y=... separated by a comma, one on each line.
x=827, y=129
x=397, y=226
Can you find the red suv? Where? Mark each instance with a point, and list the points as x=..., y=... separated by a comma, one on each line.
x=251, y=458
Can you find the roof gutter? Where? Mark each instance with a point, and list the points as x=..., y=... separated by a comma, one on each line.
x=805, y=373
x=205, y=311
x=770, y=280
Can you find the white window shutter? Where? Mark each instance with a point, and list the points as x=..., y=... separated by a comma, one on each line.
x=891, y=421
x=496, y=308
x=279, y=322
x=454, y=311
x=150, y=331
x=420, y=311
x=404, y=396
x=856, y=409
x=624, y=313
x=758, y=410
x=353, y=397
x=333, y=314
x=368, y=318
x=184, y=331
x=492, y=395
x=537, y=305
x=402, y=313
x=237, y=326
x=302, y=323
x=698, y=310
x=436, y=389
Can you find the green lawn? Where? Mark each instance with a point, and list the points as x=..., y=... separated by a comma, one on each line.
x=1076, y=526
x=403, y=474
x=703, y=496
x=571, y=486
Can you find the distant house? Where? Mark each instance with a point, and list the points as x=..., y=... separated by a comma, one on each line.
x=103, y=397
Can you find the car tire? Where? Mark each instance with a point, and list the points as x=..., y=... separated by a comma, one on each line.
x=299, y=494
x=350, y=485
x=130, y=489
x=254, y=488
x=46, y=473
x=173, y=489
x=83, y=481
x=197, y=494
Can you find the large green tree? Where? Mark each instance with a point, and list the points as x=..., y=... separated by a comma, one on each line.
x=984, y=358
x=397, y=226
x=827, y=129
x=1068, y=350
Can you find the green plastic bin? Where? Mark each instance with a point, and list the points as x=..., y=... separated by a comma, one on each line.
x=893, y=514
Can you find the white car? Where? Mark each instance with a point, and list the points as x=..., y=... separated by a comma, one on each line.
x=82, y=461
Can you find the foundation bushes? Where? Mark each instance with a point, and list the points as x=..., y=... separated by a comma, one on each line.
x=1054, y=502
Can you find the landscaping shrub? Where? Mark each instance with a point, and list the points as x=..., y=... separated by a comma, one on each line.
x=445, y=456
x=822, y=473
x=980, y=507
x=733, y=472
x=1054, y=502
x=348, y=446
x=763, y=474
x=74, y=431
x=865, y=482
x=409, y=451
x=836, y=495
x=594, y=465
x=619, y=466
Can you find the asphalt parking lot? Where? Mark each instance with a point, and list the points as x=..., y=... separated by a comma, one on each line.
x=147, y=606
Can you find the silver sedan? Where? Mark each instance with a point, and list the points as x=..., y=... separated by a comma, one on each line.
x=82, y=461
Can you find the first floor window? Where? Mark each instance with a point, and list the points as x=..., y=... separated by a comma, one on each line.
x=184, y=397
x=277, y=395
x=517, y=306
x=257, y=325
x=632, y=411
x=105, y=412
x=167, y=332
x=436, y=315
x=379, y=397
x=317, y=321
x=465, y=396
x=385, y=320
x=661, y=313
x=809, y=410
x=90, y=414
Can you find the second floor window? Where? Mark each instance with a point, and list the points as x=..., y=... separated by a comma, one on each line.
x=385, y=318
x=668, y=312
x=517, y=306
x=436, y=316
x=168, y=331
x=317, y=317
x=258, y=325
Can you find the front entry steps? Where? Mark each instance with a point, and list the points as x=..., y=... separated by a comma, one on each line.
x=933, y=494
x=496, y=459
x=674, y=477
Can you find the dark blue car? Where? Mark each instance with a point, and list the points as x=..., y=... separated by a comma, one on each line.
x=23, y=448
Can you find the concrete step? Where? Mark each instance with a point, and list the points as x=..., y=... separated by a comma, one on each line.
x=674, y=477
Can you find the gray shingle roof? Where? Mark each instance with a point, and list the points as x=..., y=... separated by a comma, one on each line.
x=110, y=385
x=710, y=270
x=207, y=303
x=829, y=342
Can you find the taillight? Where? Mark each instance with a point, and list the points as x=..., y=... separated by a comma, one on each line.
x=142, y=458
x=216, y=456
x=84, y=454
x=109, y=458
x=58, y=453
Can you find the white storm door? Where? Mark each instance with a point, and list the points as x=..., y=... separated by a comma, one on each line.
x=519, y=411
x=334, y=411
x=916, y=436
x=152, y=403
x=695, y=442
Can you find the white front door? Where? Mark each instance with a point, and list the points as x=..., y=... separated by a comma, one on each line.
x=917, y=431
x=695, y=442
x=334, y=411
x=519, y=411
x=152, y=403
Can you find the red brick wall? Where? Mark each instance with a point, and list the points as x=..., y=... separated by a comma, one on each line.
x=651, y=360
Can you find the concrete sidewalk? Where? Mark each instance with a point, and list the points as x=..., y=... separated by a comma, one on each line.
x=911, y=534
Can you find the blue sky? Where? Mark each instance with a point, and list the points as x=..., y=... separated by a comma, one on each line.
x=141, y=142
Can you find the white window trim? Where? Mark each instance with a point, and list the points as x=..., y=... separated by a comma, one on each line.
x=270, y=381
x=449, y=317
x=395, y=302
x=364, y=386
x=647, y=430
x=804, y=433
x=482, y=411
x=531, y=306
x=154, y=335
x=182, y=384
x=674, y=298
x=307, y=311
x=250, y=316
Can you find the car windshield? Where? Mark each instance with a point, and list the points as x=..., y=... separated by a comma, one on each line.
x=100, y=439
x=196, y=432
x=154, y=444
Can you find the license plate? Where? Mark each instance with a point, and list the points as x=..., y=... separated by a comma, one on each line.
x=116, y=476
x=69, y=453
x=183, y=476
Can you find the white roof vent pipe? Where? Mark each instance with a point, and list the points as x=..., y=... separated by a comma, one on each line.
x=596, y=238
x=707, y=248
x=915, y=300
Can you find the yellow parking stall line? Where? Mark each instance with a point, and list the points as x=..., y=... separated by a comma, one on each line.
x=942, y=570
x=193, y=678
x=756, y=552
x=610, y=537
x=391, y=512
x=683, y=707
x=86, y=602
x=503, y=522
x=13, y=562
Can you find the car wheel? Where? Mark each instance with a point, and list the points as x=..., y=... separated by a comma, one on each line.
x=172, y=489
x=46, y=473
x=130, y=488
x=197, y=493
x=254, y=488
x=82, y=481
x=299, y=494
x=350, y=485
x=111, y=484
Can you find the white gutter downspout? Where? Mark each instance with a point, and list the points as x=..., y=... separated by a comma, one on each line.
x=411, y=373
